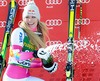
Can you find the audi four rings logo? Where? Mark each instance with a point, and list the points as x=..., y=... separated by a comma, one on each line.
x=84, y=1
x=23, y=2
x=82, y=43
x=48, y=2
x=53, y=22
x=48, y=43
x=84, y=21
x=51, y=2
x=3, y=3
x=2, y=23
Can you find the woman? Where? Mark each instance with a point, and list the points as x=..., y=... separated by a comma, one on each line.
x=25, y=41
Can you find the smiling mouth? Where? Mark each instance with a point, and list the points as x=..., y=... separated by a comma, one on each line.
x=30, y=23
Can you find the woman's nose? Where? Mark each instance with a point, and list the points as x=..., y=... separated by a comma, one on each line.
x=30, y=19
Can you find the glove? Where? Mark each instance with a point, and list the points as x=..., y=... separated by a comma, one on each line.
x=43, y=54
x=47, y=60
x=52, y=69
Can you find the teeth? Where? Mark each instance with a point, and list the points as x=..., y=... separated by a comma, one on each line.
x=30, y=23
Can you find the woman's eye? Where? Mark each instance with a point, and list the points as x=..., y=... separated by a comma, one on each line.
x=27, y=16
x=33, y=17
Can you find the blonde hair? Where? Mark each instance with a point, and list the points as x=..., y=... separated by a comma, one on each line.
x=38, y=41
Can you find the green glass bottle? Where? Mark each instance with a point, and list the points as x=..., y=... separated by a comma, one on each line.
x=48, y=63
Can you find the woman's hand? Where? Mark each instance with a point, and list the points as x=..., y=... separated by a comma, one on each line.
x=43, y=54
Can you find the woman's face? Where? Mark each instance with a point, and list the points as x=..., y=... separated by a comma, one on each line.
x=31, y=21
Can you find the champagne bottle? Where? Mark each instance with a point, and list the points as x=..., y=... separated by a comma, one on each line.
x=49, y=62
